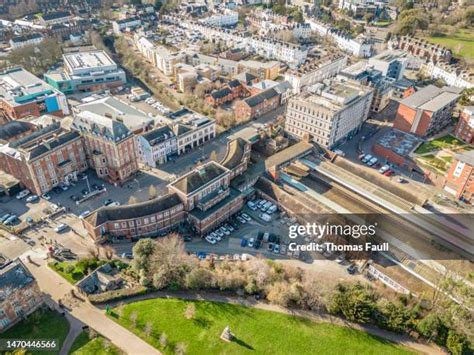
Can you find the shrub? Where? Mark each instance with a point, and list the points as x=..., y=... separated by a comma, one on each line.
x=117, y=294
x=353, y=302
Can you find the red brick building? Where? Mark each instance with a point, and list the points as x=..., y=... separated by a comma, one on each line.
x=257, y=105
x=110, y=146
x=148, y=218
x=233, y=90
x=460, y=177
x=465, y=127
x=426, y=111
x=19, y=293
x=45, y=158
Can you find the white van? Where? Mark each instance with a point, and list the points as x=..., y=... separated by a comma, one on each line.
x=265, y=217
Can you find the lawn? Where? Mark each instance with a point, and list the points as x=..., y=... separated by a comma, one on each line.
x=461, y=43
x=256, y=331
x=45, y=325
x=447, y=141
x=83, y=345
x=73, y=271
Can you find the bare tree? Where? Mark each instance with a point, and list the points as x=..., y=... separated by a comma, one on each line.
x=163, y=340
x=190, y=311
x=108, y=252
x=94, y=252
x=180, y=348
x=148, y=328
x=133, y=318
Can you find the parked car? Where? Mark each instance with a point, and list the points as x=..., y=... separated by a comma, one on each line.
x=10, y=220
x=85, y=192
x=127, y=255
x=340, y=259
x=389, y=172
x=352, y=269
x=229, y=227
x=210, y=240
x=84, y=214
x=372, y=161
x=47, y=197
x=402, y=180
x=32, y=198
x=219, y=233
x=241, y=220
x=61, y=228
x=272, y=209
x=251, y=205
x=74, y=198
x=384, y=168
x=113, y=204
x=366, y=158
x=265, y=217
x=187, y=238
x=246, y=217
x=243, y=242
x=276, y=249
x=4, y=217
x=270, y=246
x=251, y=242
x=224, y=230
x=108, y=202
x=258, y=244
x=22, y=194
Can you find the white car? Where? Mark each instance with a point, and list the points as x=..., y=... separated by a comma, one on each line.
x=46, y=197
x=265, y=217
x=366, y=158
x=115, y=203
x=246, y=217
x=384, y=168
x=241, y=220
x=251, y=242
x=22, y=194
x=85, y=213
x=372, y=161
x=32, y=198
x=210, y=240
x=60, y=228
x=54, y=207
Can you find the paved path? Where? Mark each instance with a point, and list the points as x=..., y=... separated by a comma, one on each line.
x=400, y=339
x=55, y=288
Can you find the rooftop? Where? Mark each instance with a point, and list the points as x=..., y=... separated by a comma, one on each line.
x=399, y=142
x=235, y=153
x=88, y=59
x=18, y=86
x=14, y=276
x=432, y=98
x=158, y=135
x=137, y=210
x=199, y=177
x=116, y=109
x=292, y=152
x=201, y=215
x=255, y=100
x=466, y=157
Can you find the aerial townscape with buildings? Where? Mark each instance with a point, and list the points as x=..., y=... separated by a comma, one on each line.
x=236, y=176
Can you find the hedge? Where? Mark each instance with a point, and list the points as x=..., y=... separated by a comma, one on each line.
x=116, y=295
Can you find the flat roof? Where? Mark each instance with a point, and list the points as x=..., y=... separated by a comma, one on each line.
x=401, y=143
x=288, y=154
x=88, y=59
x=432, y=98
x=18, y=86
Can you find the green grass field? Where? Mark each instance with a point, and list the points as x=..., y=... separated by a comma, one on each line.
x=256, y=331
x=447, y=141
x=97, y=346
x=73, y=271
x=461, y=43
x=42, y=325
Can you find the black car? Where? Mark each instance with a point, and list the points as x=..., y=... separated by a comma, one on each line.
x=352, y=269
x=85, y=192
x=74, y=198
x=95, y=187
x=57, y=189
x=187, y=238
x=258, y=244
x=108, y=202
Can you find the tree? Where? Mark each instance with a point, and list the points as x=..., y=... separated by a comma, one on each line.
x=133, y=318
x=200, y=278
x=148, y=328
x=225, y=118
x=163, y=340
x=190, y=311
x=456, y=343
x=180, y=349
x=142, y=251
x=108, y=252
x=353, y=302
x=152, y=192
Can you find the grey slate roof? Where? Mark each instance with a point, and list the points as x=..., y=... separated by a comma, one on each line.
x=14, y=276
x=200, y=176
x=255, y=100
x=431, y=98
x=126, y=212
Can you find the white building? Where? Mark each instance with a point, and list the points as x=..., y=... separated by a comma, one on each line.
x=165, y=60
x=125, y=24
x=302, y=31
x=328, y=115
x=358, y=47
x=226, y=18
x=26, y=40
x=156, y=146
x=390, y=63
x=315, y=71
x=452, y=75
x=191, y=129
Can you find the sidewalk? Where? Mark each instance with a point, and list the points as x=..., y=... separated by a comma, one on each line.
x=57, y=288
